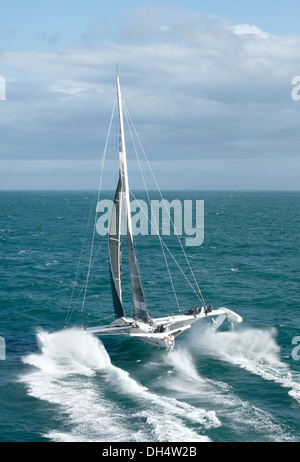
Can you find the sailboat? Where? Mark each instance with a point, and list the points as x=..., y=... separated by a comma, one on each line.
x=159, y=332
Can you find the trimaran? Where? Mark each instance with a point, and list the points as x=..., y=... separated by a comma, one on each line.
x=160, y=332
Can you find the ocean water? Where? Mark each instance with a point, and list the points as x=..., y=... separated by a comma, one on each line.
x=60, y=383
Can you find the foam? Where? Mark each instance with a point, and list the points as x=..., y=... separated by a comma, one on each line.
x=71, y=350
x=74, y=373
x=168, y=418
x=254, y=350
x=233, y=412
x=64, y=376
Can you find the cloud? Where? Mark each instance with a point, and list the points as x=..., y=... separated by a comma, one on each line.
x=50, y=39
x=197, y=87
x=246, y=29
x=182, y=174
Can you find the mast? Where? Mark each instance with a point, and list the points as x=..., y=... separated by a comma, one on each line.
x=140, y=307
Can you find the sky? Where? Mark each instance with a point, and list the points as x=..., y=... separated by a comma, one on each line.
x=208, y=85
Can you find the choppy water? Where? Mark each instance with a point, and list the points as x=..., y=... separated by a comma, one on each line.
x=241, y=385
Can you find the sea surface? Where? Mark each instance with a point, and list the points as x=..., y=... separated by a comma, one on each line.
x=60, y=383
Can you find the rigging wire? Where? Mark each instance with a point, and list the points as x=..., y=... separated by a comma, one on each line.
x=164, y=254
x=172, y=256
x=156, y=228
x=82, y=288
x=98, y=198
x=68, y=317
x=199, y=294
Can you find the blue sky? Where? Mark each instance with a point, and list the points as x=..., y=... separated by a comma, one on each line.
x=208, y=85
x=27, y=25
x=40, y=25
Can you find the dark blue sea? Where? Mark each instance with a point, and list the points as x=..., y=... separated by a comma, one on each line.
x=59, y=383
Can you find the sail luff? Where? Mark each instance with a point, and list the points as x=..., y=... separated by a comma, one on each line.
x=114, y=251
x=140, y=307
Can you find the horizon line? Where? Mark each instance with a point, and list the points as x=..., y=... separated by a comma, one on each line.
x=150, y=190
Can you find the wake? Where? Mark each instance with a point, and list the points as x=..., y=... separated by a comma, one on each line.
x=237, y=417
x=254, y=350
x=73, y=371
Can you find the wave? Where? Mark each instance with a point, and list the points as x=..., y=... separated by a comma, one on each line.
x=63, y=376
x=236, y=415
x=73, y=371
x=91, y=396
x=254, y=350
